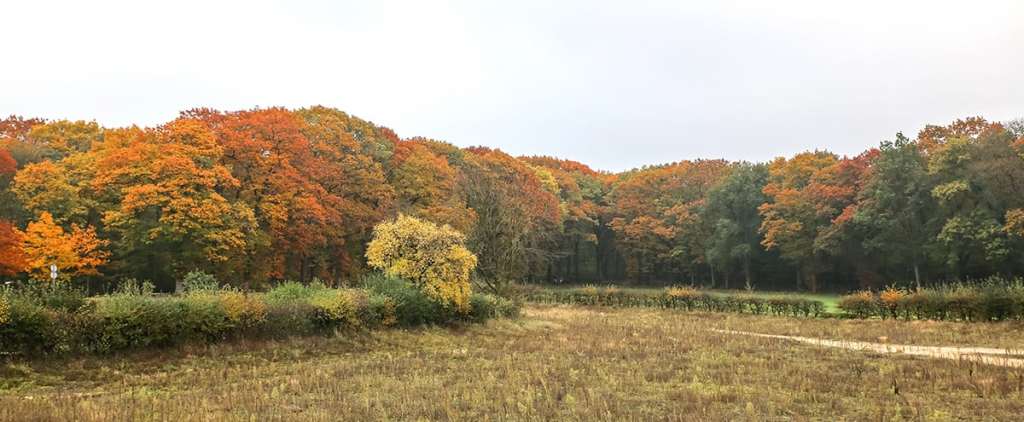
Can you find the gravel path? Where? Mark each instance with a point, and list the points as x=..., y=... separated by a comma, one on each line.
x=984, y=355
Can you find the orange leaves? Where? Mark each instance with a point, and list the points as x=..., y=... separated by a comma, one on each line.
x=167, y=183
x=794, y=209
x=657, y=215
x=425, y=186
x=12, y=257
x=7, y=164
x=1015, y=223
x=78, y=252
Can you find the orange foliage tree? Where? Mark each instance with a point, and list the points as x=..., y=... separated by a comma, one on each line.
x=78, y=252
x=170, y=212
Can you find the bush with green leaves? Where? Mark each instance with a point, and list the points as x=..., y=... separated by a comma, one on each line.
x=42, y=320
x=199, y=281
x=862, y=304
x=992, y=299
x=686, y=298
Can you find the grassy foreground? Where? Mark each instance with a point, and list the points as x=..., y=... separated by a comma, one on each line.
x=556, y=363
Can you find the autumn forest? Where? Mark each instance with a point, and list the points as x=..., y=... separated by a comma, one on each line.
x=259, y=196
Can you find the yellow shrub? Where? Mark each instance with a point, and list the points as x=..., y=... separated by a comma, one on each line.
x=431, y=256
x=340, y=307
x=611, y=290
x=590, y=289
x=4, y=308
x=243, y=309
x=891, y=296
x=682, y=292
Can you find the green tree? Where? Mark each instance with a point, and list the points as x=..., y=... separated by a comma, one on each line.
x=732, y=206
x=895, y=206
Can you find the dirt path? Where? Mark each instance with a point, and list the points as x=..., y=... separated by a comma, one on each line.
x=984, y=355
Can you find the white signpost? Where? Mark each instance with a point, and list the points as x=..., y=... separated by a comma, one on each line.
x=53, y=271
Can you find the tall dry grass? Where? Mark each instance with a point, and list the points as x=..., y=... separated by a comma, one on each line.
x=556, y=363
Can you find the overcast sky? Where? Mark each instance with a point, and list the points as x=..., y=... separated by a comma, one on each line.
x=612, y=84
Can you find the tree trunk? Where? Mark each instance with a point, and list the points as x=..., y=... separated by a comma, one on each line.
x=712, y=275
x=746, y=269
x=179, y=286
x=576, y=259
x=917, y=276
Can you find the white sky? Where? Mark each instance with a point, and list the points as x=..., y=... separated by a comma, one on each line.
x=612, y=84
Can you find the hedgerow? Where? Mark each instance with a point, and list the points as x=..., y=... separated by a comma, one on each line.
x=993, y=299
x=54, y=319
x=686, y=298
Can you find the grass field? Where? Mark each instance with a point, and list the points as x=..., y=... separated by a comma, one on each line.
x=555, y=363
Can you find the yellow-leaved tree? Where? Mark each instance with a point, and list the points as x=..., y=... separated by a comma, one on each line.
x=431, y=256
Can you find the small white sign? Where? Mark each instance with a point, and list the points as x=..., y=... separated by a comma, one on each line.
x=53, y=268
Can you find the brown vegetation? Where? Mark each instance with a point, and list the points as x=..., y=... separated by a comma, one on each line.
x=557, y=363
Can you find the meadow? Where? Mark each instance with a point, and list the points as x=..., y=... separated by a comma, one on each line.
x=556, y=362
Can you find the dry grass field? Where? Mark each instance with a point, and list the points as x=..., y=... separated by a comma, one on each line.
x=555, y=363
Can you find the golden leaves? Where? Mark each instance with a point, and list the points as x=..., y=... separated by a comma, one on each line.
x=424, y=253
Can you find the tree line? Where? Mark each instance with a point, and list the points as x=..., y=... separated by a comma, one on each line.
x=264, y=195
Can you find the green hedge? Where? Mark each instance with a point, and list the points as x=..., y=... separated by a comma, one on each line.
x=993, y=299
x=46, y=319
x=679, y=298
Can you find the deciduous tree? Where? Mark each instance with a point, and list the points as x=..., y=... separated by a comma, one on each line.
x=78, y=252
x=432, y=257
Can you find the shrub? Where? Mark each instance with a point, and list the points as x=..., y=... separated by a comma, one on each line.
x=890, y=301
x=861, y=304
x=290, y=291
x=55, y=296
x=241, y=310
x=198, y=281
x=25, y=327
x=684, y=295
x=487, y=306
x=412, y=306
x=383, y=310
x=132, y=321
x=756, y=305
x=134, y=318
x=133, y=287
x=4, y=307
x=289, y=318
x=964, y=303
x=432, y=257
x=337, y=309
x=205, y=315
